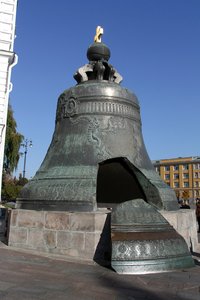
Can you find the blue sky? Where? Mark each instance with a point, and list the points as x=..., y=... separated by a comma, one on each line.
x=155, y=46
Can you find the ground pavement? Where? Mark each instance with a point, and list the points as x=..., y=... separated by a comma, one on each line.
x=29, y=276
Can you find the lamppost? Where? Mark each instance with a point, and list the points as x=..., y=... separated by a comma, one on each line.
x=27, y=143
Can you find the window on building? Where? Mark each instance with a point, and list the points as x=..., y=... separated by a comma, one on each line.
x=197, y=184
x=196, y=174
x=196, y=166
x=176, y=184
x=157, y=169
x=176, y=168
x=186, y=184
x=167, y=176
x=167, y=168
x=196, y=193
x=176, y=176
x=185, y=175
x=185, y=167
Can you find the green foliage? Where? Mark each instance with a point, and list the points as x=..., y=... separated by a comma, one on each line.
x=12, y=187
x=10, y=191
x=12, y=143
x=22, y=181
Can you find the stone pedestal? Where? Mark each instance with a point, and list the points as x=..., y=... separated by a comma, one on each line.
x=72, y=234
x=82, y=235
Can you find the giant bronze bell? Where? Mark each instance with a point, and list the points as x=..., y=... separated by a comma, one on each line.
x=97, y=156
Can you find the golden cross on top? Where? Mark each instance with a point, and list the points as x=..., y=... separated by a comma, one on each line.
x=99, y=32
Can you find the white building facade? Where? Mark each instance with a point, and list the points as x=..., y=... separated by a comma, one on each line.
x=8, y=59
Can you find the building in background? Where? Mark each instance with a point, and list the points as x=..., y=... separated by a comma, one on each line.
x=182, y=174
x=8, y=59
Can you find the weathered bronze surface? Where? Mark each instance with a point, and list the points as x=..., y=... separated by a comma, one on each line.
x=144, y=242
x=97, y=140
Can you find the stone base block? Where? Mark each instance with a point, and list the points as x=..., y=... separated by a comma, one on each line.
x=76, y=235
x=185, y=223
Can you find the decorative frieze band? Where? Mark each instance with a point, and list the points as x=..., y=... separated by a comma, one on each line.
x=73, y=107
x=105, y=107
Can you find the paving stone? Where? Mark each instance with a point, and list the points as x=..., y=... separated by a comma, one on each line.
x=27, y=276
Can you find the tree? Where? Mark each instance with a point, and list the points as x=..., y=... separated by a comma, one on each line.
x=12, y=187
x=12, y=144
